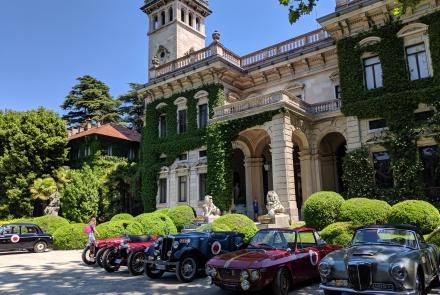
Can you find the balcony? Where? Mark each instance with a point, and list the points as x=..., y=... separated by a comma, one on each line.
x=274, y=101
x=217, y=50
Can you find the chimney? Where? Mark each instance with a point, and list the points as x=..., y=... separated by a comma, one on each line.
x=89, y=125
x=340, y=3
x=98, y=124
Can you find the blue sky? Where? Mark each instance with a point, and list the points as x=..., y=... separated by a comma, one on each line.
x=46, y=44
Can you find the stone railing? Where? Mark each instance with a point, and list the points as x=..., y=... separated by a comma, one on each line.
x=217, y=49
x=260, y=102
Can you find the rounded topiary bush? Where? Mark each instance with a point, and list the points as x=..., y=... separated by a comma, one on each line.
x=181, y=215
x=338, y=233
x=418, y=213
x=322, y=209
x=156, y=224
x=162, y=210
x=212, y=227
x=239, y=223
x=70, y=237
x=362, y=211
x=118, y=228
x=122, y=216
x=50, y=223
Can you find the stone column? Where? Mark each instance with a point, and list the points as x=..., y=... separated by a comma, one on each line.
x=254, y=184
x=316, y=171
x=306, y=174
x=173, y=189
x=193, y=184
x=282, y=164
x=353, y=135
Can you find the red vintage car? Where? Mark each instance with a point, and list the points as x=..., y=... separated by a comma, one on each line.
x=278, y=258
x=128, y=253
x=93, y=252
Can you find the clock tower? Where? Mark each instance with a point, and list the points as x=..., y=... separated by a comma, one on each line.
x=176, y=28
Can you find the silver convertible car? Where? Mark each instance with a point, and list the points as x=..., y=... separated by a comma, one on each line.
x=381, y=259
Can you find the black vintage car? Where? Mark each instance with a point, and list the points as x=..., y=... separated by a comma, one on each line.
x=187, y=253
x=24, y=236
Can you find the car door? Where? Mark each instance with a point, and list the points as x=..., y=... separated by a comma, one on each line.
x=9, y=231
x=307, y=253
x=28, y=235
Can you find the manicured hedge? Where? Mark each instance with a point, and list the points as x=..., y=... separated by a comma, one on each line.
x=418, y=213
x=434, y=237
x=122, y=216
x=322, y=209
x=118, y=228
x=362, y=211
x=50, y=223
x=298, y=224
x=70, y=237
x=163, y=211
x=237, y=222
x=338, y=233
x=156, y=224
x=212, y=227
x=181, y=215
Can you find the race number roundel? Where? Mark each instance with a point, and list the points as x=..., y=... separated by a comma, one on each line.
x=15, y=239
x=314, y=257
x=216, y=248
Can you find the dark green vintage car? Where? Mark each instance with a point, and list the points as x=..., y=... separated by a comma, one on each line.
x=381, y=259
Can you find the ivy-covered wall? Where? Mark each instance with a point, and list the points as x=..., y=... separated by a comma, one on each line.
x=217, y=137
x=397, y=100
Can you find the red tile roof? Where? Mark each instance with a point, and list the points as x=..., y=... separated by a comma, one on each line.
x=111, y=130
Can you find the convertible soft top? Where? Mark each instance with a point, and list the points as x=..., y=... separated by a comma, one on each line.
x=396, y=226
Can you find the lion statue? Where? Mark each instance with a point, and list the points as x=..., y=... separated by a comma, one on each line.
x=273, y=204
x=209, y=209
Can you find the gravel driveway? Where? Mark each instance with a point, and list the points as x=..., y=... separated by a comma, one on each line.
x=62, y=273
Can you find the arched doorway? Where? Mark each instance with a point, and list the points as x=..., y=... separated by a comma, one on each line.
x=332, y=150
x=239, y=180
x=297, y=176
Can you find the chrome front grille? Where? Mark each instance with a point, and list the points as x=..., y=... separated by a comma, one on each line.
x=230, y=274
x=360, y=276
x=167, y=243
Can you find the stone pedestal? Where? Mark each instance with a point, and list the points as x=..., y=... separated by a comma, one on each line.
x=278, y=221
x=211, y=218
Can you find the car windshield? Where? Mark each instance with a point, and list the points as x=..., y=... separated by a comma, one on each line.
x=389, y=236
x=273, y=240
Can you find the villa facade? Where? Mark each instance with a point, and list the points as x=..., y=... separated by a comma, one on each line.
x=299, y=150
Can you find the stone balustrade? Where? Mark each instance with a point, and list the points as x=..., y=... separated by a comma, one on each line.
x=217, y=49
x=260, y=102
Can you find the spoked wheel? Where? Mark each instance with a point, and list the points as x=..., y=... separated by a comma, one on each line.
x=108, y=260
x=419, y=285
x=136, y=263
x=40, y=247
x=281, y=283
x=153, y=273
x=87, y=256
x=99, y=255
x=186, y=269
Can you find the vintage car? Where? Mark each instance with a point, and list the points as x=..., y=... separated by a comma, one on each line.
x=381, y=259
x=275, y=258
x=128, y=253
x=24, y=236
x=93, y=252
x=187, y=253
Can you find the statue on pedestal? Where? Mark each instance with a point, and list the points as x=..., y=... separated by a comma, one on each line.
x=209, y=209
x=274, y=206
x=54, y=206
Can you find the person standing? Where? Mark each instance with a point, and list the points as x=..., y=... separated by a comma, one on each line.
x=256, y=209
x=92, y=230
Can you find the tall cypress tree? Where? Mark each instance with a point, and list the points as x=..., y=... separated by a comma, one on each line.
x=90, y=101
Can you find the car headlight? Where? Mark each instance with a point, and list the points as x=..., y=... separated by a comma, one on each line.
x=398, y=272
x=255, y=275
x=244, y=275
x=325, y=269
x=96, y=244
x=211, y=271
x=176, y=244
x=245, y=285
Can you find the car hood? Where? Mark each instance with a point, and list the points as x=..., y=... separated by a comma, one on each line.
x=248, y=258
x=367, y=253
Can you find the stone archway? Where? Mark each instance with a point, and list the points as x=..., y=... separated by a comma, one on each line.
x=332, y=150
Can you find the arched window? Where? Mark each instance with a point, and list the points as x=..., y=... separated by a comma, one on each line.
x=182, y=15
x=197, y=24
x=190, y=19
x=163, y=18
x=155, y=22
x=170, y=14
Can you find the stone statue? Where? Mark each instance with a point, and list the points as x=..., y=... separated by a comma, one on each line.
x=209, y=209
x=54, y=206
x=274, y=206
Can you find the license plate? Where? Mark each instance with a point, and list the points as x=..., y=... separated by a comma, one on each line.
x=161, y=267
x=117, y=261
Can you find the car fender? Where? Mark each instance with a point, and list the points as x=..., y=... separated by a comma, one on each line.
x=189, y=251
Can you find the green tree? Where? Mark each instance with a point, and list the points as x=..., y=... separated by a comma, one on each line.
x=132, y=108
x=298, y=8
x=32, y=144
x=43, y=189
x=90, y=101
